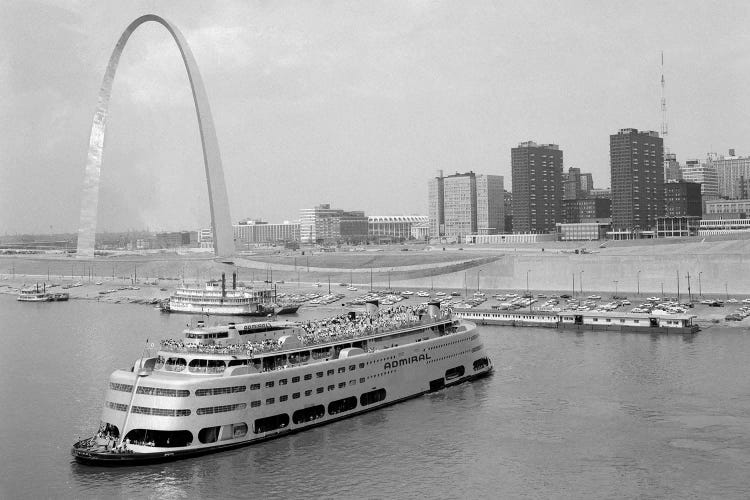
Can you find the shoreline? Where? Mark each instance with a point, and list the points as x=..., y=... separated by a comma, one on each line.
x=149, y=293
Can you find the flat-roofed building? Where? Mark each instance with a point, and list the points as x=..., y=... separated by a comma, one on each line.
x=637, y=173
x=705, y=175
x=587, y=210
x=672, y=168
x=435, y=205
x=490, y=204
x=601, y=193
x=677, y=226
x=382, y=228
x=727, y=209
x=582, y=231
x=710, y=227
x=460, y=202
x=537, y=187
x=250, y=231
x=732, y=175
x=323, y=224
x=682, y=199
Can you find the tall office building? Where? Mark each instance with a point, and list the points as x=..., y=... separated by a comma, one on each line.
x=637, y=172
x=705, y=175
x=490, y=204
x=323, y=224
x=460, y=204
x=508, y=206
x=732, y=175
x=571, y=183
x=435, y=206
x=672, y=169
x=537, y=187
x=587, y=182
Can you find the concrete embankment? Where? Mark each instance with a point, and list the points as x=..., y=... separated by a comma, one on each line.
x=716, y=269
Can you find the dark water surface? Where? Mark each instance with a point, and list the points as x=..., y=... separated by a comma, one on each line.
x=566, y=415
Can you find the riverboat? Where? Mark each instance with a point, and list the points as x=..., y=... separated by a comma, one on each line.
x=34, y=294
x=584, y=320
x=229, y=386
x=215, y=298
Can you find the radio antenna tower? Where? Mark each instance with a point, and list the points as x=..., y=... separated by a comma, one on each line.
x=664, y=130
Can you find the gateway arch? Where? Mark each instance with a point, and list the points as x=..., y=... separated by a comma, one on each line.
x=217, y=191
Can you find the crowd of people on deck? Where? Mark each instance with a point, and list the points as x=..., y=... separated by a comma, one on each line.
x=265, y=345
x=345, y=326
x=351, y=326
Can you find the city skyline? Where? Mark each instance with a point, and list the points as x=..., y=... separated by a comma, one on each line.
x=353, y=103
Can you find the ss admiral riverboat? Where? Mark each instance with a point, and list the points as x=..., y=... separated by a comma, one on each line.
x=215, y=298
x=224, y=387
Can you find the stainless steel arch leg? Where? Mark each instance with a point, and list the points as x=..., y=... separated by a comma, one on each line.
x=217, y=191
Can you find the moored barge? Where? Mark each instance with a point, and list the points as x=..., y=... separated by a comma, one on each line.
x=584, y=320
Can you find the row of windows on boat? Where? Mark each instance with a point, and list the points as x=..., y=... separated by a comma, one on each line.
x=214, y=391
x=280, y=421
x=453, y=355
x=225, y=408
x=465, y=339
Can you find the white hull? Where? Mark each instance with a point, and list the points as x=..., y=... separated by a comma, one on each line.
x=235, y=310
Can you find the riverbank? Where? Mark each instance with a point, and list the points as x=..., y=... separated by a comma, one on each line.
x=141, y=291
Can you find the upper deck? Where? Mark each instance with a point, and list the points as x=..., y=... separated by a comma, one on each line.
x=272, y=345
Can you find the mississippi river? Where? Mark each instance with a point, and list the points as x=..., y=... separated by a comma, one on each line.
x=566, y=415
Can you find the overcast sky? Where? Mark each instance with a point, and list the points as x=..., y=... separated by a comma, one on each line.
x=355, y=104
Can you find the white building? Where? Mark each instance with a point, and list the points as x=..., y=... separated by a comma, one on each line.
x=490, y=204
x=705, y=175
x=393, y=227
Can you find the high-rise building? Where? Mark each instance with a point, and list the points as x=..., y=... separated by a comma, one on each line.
x=508, y=205
x=732, y=174
x=587, y=182
x=325, y=224
x=537, y=187
x=435, y=206
x=490, y=204
x=637, y=172
x=682, y=199
x=460, y=204
x=571, y=183
x=705, y=175
x=672, y=169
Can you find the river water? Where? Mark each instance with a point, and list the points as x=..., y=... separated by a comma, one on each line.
x=566, y=415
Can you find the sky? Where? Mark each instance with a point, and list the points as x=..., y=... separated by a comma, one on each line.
x=356, y=104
